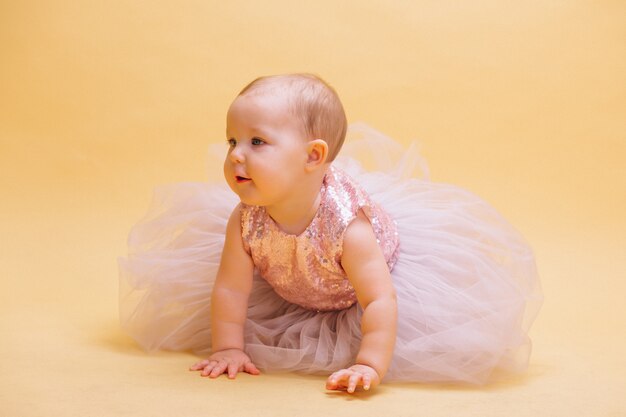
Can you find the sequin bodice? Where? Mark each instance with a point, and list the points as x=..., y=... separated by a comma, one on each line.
x=306, y=269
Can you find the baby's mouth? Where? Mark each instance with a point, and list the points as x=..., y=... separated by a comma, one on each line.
x=241, y=179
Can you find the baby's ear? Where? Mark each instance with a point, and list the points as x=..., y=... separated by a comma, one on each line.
x=317, y=151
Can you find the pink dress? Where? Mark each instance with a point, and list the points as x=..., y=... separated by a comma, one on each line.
x=306, y=269
x=466, y=280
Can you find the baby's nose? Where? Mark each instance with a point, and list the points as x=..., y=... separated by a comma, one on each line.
x=236, y=155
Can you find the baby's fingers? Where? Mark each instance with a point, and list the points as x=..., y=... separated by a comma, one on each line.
x=348, y=379
x=250, y=368
x=199, y=365
x=208, y=368
x=354, y=380
x=367, y=382
x=217, y=369
x=335, y=380
x=232, y=370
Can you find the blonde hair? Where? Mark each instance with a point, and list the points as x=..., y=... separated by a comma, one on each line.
x=313, y=101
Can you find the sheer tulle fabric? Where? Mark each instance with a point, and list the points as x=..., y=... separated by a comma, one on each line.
x=466, y=280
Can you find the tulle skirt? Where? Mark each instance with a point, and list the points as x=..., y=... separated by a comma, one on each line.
x=466, y=280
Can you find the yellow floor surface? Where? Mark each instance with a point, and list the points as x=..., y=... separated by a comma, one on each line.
x=521, y=102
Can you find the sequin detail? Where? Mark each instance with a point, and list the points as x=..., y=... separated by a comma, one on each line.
x=306, y=269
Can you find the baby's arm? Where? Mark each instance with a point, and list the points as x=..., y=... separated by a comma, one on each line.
x=229, y=305
x=368, y=273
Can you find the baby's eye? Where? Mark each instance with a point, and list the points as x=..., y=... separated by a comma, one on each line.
x=257, y=141
x=231, y=142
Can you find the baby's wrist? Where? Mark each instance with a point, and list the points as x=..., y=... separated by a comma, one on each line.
x=223, y=348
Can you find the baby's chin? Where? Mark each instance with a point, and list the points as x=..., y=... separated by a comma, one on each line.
x=244, y=197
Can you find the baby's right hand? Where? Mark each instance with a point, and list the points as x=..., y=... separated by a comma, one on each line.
x=228, y=361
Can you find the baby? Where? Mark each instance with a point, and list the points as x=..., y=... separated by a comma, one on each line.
x=283, y=133
x=390, y=277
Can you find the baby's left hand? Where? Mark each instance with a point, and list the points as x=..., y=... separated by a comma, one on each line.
x=351, y=378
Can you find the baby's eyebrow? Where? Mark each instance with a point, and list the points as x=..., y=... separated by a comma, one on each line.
x=251, y=132
x=258, y=130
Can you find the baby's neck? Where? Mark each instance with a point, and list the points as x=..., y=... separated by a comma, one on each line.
x=292, y=222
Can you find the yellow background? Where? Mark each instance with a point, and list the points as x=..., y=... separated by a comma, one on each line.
x=523, y=103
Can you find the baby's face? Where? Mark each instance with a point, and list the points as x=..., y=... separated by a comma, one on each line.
x=268, y=150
